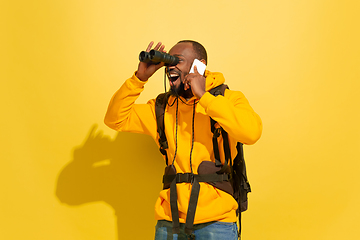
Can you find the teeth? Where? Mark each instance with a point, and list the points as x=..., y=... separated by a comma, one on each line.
x=174, y=75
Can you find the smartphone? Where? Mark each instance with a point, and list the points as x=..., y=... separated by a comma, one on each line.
x=199, y=65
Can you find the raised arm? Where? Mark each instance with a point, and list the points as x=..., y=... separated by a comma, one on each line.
x=123, y=114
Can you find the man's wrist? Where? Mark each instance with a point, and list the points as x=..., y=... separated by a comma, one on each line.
x=135, y=81
x=201, y=94
x=141, y=78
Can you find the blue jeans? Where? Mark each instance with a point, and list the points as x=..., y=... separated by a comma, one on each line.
x=203, y=231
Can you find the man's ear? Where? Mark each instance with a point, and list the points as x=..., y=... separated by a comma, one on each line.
x=203, y=61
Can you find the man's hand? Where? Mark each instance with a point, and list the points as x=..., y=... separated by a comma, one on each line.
x=197, y=83
x=146, y=70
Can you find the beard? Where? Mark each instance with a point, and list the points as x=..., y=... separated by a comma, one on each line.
x=178, y=90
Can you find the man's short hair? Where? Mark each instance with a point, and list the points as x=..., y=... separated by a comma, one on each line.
x=198, y=48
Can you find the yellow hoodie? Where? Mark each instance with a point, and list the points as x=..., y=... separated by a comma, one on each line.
x=232, y=111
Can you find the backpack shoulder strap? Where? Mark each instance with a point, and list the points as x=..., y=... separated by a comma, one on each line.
x=240, y=184
x=220, y=90
x=160, y=104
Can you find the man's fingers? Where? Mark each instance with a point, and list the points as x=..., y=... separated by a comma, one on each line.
x=195, y=69
x=187, y=86
x=187, y=82
x=162, y=48
x=149, y=46
x=157, y=46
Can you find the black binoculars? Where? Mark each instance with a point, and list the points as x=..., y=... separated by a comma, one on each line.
x=156, y=57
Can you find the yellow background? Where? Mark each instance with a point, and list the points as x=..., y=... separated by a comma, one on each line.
x=65, y=175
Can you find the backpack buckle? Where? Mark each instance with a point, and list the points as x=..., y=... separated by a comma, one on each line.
x=163, y=144
x=184, y=177
x=192, y=178
x=217, y=132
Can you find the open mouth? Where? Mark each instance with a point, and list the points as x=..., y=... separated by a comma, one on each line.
x=173, y=76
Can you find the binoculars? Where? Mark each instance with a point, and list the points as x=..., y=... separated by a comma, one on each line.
x=157, y=57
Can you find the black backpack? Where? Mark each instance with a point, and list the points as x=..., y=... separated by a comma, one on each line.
x=233, y=172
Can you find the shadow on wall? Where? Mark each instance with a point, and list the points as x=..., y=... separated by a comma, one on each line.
x=125, y=172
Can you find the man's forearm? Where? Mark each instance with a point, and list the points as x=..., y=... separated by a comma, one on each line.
x=121, y=103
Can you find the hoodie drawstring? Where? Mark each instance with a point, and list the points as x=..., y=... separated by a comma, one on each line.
x=192, y=135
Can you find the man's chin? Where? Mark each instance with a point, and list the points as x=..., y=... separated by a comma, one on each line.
x=180, y=92
x=175, y=89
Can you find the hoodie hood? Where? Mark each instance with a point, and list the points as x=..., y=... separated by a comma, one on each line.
x=213, y=79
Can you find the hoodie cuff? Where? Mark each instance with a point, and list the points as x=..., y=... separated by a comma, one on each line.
x=134, y=82
x=206, y=99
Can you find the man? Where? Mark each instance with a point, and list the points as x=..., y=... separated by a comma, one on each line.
x=188, y=131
